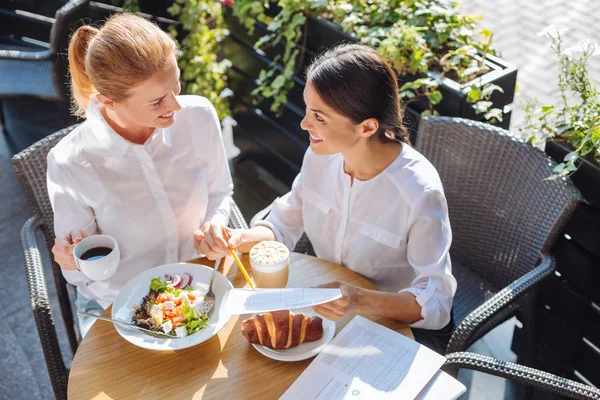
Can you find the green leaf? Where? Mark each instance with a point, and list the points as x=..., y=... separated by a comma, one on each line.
x=278, y=82
x=158, y=285
x=474, y=94
x=469, y=71
x=546, y=109
x=572, y=156
x=188, y=311
x=559, y=168
x=494, y=113
x=273, y=26
x=486, y=33
x=482, y=106
x=562, y=127
x=407, y=94
x=412, y=85
x=491, y=88
x=435, y=97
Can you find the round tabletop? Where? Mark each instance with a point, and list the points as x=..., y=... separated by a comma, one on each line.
x=106, y=366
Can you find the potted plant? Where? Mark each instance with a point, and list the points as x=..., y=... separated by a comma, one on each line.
x=571, y=130
x=441, y=67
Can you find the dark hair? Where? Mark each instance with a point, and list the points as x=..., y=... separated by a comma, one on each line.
x=358, y=83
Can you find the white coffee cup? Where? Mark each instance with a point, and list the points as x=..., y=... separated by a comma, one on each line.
x=100, y=266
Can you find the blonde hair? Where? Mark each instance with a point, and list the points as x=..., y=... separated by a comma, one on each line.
x=115, y=58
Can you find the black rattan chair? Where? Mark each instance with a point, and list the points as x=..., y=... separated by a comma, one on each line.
x=505, y=217
x=30, y=165
x=41, y=74
x=524, y=375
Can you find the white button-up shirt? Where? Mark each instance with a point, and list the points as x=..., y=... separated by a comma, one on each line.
x=150, y=197
x=393, y=229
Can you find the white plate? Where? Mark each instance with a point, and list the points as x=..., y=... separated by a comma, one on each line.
x=134, y=291
x=306, y=349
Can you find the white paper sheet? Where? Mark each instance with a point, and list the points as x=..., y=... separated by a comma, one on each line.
x=442, y=387
x=246, y=301
x=367, y=361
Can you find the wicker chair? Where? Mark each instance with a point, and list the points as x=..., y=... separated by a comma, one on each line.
x=525, y=375
x=42, y=74
x=505, y=218
x=30, y=165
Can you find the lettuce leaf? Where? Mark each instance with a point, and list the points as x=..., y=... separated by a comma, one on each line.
x=193, y=321
x=188, y=311
x=195, y=325
x=174, y=292
x=158, y=285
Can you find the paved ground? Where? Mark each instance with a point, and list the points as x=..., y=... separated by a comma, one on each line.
x=514, y=23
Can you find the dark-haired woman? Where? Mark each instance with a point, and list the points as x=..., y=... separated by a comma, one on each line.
x=365, y=198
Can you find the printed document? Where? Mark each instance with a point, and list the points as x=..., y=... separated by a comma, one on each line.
x=367, y=361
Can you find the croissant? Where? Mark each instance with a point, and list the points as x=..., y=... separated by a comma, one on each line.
x=282, y=329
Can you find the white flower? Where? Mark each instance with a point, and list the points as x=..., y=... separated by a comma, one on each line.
x=581, y=47
x=226, y=93
x=226, y=63
x=347, y=8
x=553, y=30
x=225, y=32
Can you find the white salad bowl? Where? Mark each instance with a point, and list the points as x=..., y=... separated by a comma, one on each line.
x=137, y=288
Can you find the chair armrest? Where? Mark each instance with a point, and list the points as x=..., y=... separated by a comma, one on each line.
x=466, y=330
x=43, y=55
x=262, y=214
x=42, y=312
x=236, y=220
x=526, y=375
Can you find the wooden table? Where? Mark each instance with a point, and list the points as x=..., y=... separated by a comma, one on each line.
x=226, y=366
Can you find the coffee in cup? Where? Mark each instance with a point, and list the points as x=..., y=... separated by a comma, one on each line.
x=97, y=256
x=270, y=263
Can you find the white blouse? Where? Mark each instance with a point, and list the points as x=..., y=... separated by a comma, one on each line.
x=150, y=198
x=392, y=229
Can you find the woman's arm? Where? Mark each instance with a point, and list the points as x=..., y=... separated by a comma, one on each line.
x=429, y=240
x=427, y=303
x=399, y=306
x=220, y=185
x=284, y=223
x=73, y=219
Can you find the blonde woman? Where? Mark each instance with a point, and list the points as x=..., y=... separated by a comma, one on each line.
x=147, y=166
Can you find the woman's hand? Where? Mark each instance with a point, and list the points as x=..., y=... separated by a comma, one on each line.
x=338, y=308
x=213, y=240
x=63, y=249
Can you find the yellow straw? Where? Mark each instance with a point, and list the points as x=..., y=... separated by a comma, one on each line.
x=239, y=263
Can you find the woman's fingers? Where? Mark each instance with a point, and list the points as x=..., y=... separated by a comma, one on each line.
x=210, y=252
x=217, y=232
x=63, y=254
x=77, y=236
x=326, y=313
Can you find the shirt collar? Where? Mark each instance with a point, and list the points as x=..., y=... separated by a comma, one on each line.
x=111, y=140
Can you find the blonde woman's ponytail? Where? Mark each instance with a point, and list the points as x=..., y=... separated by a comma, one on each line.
x=82, y=88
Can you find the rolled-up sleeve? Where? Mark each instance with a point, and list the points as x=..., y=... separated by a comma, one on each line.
x=70, y=211
x=220, y=184
x=429, y=239
x=285, y=218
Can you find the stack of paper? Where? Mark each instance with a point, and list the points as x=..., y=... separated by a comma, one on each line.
x=367, y=361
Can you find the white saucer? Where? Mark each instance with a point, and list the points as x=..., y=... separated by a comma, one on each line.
x=306, y=349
